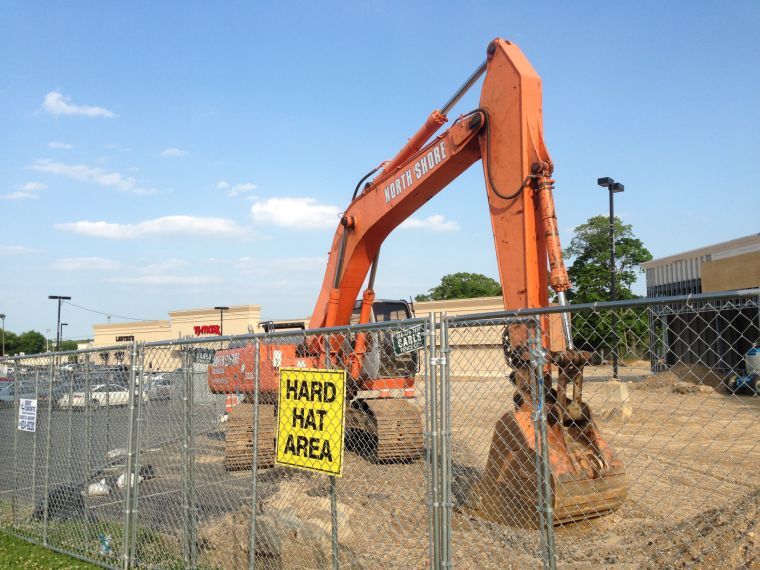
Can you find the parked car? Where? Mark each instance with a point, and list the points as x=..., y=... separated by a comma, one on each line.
x=7, y=395
x=100, y=395
x=159, y=389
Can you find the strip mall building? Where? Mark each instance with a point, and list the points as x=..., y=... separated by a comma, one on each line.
x=205, y=324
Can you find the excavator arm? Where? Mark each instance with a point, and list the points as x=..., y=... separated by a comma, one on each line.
x=505, y=132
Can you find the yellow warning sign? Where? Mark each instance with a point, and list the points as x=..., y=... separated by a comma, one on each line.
x=310, y=419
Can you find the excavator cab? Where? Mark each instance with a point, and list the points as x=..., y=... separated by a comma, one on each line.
x=380, y=361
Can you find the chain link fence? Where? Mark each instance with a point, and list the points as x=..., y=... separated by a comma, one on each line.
x=476, y=441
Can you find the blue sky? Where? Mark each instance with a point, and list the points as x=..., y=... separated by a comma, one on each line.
x=159, y=156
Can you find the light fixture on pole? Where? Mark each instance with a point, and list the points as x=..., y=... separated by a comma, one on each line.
x=614, y=188
x=2, y=318
x=221, y=318
x=60, y=299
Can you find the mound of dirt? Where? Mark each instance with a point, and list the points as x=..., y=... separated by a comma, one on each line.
x=719, y=538
x=698, y=374
x=660, y=381
x=293, y=531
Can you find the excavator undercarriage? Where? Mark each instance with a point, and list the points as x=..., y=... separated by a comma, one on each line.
x=382, y=422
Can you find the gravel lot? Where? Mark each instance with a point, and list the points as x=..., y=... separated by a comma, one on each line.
x=692, y=463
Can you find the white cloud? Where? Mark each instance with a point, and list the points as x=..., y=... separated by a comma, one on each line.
x=86, y=264
x=434, y=223
x=33, y=186
x=222, y=185
x=61, y=145
x=301, y=213
x=15, y=250
x=27, y=191
x=280, y=264
x=165, y=266
x=174, y=152
x=238, y=189
x=20, y=196
x=57, y=104
x=166, y=280
x=84, y=173
x=164, y=226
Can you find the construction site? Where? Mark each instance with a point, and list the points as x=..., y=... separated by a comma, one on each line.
x=545, y=433
x=686, y=494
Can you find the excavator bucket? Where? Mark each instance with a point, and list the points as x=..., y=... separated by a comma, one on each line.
x=587, y=479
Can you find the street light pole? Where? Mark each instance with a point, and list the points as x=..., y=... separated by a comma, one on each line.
x=62, y=325
x=221, y=318
x=2, y=318
x=60, y=299
x=614, y=188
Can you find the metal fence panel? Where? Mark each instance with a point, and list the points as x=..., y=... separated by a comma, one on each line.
x=671, y=417
x=454, y=445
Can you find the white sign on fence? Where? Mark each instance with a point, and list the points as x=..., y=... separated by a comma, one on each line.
x=27, y=414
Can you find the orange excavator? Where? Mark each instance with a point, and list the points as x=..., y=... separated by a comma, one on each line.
x=506, y=133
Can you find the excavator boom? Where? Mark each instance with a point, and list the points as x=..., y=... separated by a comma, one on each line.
x=506, y=133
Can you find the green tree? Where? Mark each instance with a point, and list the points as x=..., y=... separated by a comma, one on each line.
x=589, y=272
x=462, y=286
x=31, y=342
x=11, y=343
x=69, y=345
x=590, y=252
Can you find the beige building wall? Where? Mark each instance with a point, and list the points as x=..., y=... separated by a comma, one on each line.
x=237, y=320
x=729, y=273
x=477, y=351
x=142, y=331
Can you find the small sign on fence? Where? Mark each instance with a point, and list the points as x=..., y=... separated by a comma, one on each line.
x=408, y=340
x=310, y=419
x=203, y=355
x=27, y=414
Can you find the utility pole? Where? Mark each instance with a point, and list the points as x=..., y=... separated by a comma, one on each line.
x=2, y=318
x=60, y=299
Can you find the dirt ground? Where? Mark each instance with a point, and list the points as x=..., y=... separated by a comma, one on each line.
x=693, y=491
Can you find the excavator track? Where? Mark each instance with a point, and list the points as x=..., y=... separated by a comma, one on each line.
x=393, y=426
x=238, y=437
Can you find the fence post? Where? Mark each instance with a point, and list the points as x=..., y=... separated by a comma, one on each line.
x=46, y=490
x=543, y=482
x=428, y=434
x=88, y=449
x=434, y=444
x=71, y=424
x=129, y=478
x=15, y=445
x=255, y=458
x=34, y=443
x=333, y=490
x=188, y=465
x=140, y=395
x=445, y=427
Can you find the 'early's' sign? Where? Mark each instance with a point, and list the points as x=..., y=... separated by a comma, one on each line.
x=310, y=419
x=408, y=340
